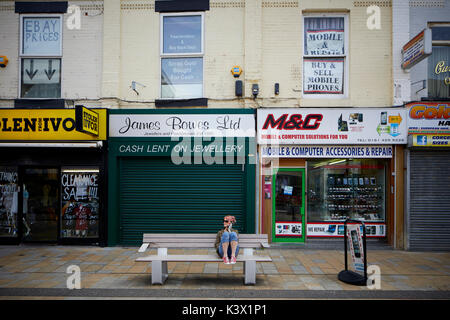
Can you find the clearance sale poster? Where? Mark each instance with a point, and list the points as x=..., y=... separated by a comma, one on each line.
x=332, y=126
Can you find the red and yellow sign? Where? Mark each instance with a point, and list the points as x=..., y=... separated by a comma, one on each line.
x=47, y=124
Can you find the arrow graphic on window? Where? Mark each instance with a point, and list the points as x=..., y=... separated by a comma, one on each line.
x=30, y=72
x=50, y=72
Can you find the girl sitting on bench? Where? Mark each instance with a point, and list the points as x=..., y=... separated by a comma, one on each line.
x=227, y=241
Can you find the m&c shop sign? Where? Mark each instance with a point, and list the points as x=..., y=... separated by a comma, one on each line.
x=46, y=124
x=332, y=126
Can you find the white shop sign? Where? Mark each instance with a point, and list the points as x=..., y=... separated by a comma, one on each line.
x=332, y=126
x=182, y=125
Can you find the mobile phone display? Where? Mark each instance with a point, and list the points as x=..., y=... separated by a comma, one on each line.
x=383, y=119
x=355, y=242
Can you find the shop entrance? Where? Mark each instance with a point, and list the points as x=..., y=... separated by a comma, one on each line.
x=288, y=205
x=40, y=204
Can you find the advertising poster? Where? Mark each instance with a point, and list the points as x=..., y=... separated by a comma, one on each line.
x=80, y=204
x=332, y=126
x=41, y=36
x=323, y=76
x=9, y=195
x=323, y=229
x=288, y=229
x=329, y=42
x=355, y=247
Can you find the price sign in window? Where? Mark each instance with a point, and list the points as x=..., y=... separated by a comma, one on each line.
x=80, y=203
x=41, y=36
x=9, y=203
x=181, y=56
x=41, y=56
x=324, y=56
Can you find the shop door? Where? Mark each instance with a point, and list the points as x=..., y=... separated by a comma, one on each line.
x=40, y=204
x=288, y=220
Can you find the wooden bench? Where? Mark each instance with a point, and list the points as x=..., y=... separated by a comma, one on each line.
x=247, y=242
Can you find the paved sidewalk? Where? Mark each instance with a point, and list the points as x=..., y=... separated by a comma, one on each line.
x=28, y=271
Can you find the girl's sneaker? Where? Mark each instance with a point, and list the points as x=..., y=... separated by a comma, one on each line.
x=233, y=260
x=226, y=260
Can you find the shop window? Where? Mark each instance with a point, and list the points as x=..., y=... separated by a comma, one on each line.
x=181, y=56
x=439, y=63
x=9, y=195
x=339, y=189
x=324, y=56
x=80, y=203
x=40, y=56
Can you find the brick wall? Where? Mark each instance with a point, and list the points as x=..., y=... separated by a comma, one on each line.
x=82, y=54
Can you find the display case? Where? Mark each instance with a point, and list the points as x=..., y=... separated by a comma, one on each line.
x=354, y=197
x=345, y=188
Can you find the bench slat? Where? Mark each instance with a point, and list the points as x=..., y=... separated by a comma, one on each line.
x=197, y=245
x=200, y=240
x=199, y=258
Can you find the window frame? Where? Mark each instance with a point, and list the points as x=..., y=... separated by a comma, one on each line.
x=345, y=82
x=163, y=55
x=436, y=43
x=23, y=56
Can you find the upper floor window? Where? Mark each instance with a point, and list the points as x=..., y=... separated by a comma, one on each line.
x=439, y=63
x=182, y=50
x=40, y=56
x=324, y=56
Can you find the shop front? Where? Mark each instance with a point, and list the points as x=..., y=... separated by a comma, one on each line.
x=319, y=167
x=52, y=175
x=428, y=177
x=180, y=171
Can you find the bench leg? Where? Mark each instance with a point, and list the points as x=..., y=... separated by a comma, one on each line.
x=159, y=272
x=250, y=272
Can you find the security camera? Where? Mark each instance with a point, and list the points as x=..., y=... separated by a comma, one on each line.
x=255, y=90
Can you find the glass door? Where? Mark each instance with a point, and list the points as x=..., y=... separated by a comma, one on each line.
x=288, y=205
x=40, y=204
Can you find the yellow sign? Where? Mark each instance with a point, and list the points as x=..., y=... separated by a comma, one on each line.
x=395, y=119
x=431, y=140
x=86, y=120
x=47, y=124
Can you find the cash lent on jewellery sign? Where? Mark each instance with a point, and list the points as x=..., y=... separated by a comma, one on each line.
x=41, y=71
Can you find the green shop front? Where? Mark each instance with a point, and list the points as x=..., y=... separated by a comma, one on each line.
x=179, y=171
